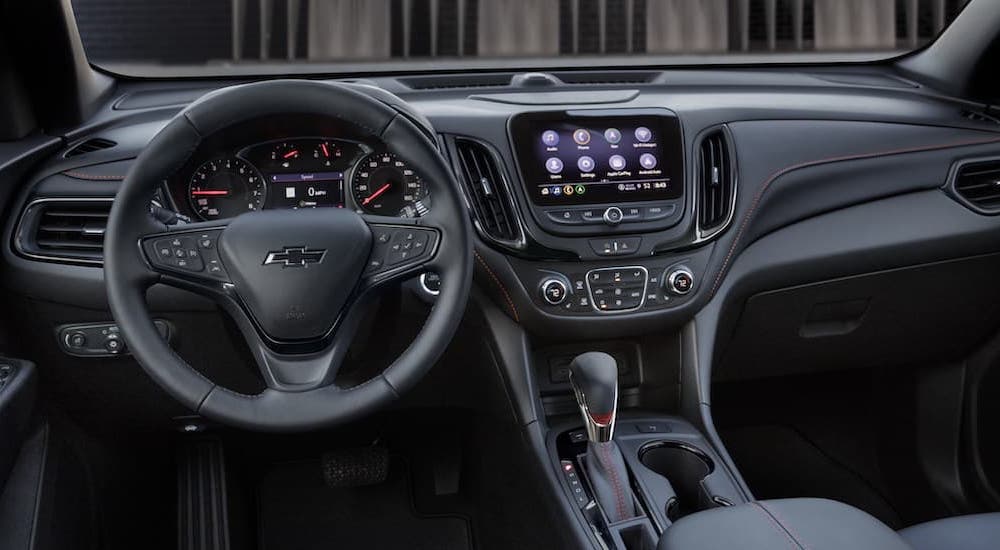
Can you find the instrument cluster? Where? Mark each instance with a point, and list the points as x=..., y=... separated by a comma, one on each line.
x=302, y=173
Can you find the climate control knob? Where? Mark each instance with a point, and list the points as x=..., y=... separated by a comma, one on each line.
x=679, y=281
x=553, y=291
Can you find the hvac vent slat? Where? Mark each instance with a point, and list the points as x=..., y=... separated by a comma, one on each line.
x=979, y=184
x=715, y=181
x=68, y=230
x=487, y=193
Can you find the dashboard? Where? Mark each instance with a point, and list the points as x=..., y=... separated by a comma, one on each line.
x=298, y=172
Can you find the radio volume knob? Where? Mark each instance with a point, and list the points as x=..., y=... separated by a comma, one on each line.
x=679, y=281
x=613, y=215
x=553, y=291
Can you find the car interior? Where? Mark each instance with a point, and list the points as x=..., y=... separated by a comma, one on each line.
x=640, y=300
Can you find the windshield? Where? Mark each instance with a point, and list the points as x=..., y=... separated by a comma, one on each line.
x=218, y=36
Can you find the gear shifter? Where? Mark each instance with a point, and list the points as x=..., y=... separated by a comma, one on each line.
x=594, y=377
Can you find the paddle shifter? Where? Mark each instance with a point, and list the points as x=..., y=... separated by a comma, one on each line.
x=594, y=376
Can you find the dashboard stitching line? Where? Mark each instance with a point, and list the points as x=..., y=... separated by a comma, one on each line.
x=95, y=177
x=506, y=295
x=783, y=171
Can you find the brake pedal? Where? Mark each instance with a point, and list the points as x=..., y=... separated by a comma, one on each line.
x=356, y=467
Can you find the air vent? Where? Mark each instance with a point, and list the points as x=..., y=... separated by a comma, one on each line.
x=979, y=184
x=64, y=229
x=716, y=182
x=977, y=116
x=89, y=146
x=457, y=81
x=488, y=193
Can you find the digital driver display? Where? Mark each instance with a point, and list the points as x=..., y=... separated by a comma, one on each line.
x=573, y=158
x=307, y=190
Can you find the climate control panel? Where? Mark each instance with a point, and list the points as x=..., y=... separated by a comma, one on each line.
x=619, y=289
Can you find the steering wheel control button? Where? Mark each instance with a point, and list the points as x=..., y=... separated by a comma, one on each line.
x=188, y=253
x=617, y=288
x=679, y=281
x=396, y=247
x=615, y=246
x=613, y=215
x=554, y=291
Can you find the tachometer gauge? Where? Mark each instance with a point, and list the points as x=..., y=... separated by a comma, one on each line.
x=383, y=184
x=225, y=187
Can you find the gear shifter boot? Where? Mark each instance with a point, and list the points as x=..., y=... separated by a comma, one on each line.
x=594, y=377
x=608, y=478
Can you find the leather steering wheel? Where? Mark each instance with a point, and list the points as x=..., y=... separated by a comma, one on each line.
x=294, y=281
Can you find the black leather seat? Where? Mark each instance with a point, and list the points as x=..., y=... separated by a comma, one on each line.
x=975, y=532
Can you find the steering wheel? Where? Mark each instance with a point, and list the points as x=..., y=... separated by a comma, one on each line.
x=294, y=281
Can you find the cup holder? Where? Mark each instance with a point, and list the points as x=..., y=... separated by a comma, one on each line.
x=685, y=467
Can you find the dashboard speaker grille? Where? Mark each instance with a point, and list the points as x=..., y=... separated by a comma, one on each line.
x=979, y=184
x=715, y=181
x=64, y=230
x=488, y=193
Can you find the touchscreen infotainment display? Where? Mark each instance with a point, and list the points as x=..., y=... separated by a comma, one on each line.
x=572, y=158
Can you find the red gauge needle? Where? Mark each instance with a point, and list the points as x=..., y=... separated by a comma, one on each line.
x=326, y=152
x=375, y=195
x=290, y=154
x=209, y=193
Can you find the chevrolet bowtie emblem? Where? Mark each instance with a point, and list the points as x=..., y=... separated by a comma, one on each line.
x=297, y=256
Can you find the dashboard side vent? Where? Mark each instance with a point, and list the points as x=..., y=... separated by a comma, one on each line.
x=487, y=190
x=979, y=184
x=716, y=181
x=70, y=230
x=89, y=146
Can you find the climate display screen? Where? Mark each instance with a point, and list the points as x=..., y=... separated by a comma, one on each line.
x=573, y=158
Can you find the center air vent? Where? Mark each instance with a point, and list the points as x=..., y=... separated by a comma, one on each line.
x=979, y=184
x=716, y=182
x=64, y=229
x=489, y=196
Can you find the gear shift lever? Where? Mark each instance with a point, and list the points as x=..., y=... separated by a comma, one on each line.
x=594, y=377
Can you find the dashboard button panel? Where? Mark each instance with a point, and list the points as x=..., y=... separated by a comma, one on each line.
x=615, y=246
x=617, y=288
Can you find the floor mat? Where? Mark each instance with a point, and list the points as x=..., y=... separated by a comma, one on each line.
x=779, y=462
x=298, y=512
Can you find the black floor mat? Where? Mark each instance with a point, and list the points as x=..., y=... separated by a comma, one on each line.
x=780, y=462
x=298, y=512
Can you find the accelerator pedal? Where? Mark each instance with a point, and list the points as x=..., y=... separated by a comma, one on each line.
x=356, y=467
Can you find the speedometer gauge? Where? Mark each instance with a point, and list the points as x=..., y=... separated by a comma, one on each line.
x=383, y=184
x=225, y=187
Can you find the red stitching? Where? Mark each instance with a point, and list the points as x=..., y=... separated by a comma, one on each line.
x=95, y=177
x=503, y=289
x=831, y=160
x=778, y=527
x=615, y=482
